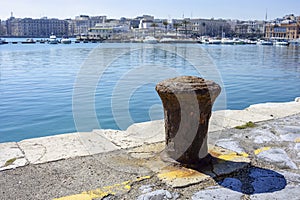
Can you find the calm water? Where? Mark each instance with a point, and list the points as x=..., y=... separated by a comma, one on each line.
x=39, y=95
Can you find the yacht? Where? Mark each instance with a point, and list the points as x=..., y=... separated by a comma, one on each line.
x=150, y=40
x=53, y=39
x=65, y=40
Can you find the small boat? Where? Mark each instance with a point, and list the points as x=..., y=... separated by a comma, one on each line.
x=150, y=40
x=281, y=43
x=167, y=40
x=207, y=40
x=29, y=41
x=53, y=39
x=238, y=41
x=42, y=41
x=264, y=42
x=214, y=41
x=65, y=40
x=227, y=41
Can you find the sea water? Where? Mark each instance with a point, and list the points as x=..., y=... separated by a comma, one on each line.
x=38, y=83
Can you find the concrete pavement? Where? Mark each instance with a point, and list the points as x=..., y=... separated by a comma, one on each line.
x=248, y=163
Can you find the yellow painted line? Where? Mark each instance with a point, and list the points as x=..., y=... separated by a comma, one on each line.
x=173, y=173
x=244, y=154
x=297, y=140
x=232, y=156
x=105, y=191
x=257, y=151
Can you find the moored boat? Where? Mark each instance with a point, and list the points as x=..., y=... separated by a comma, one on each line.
x=29, y=41
x=280, y=43
x=65, y=40
x=227, y=41
x=150, y=40
x=264, y=42
x=53, y=39
x=208, y=40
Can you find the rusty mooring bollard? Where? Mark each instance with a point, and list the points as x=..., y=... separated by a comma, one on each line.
x=187, y=102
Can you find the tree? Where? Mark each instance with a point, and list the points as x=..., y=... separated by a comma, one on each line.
x=185, y=23
x=176, y=25
x=165, y=23
x=154, y=25
x=204, y=27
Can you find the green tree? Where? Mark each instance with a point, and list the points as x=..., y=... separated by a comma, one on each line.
x=185, y=23
x=176, y=25
x=165, y=23
x=204, y=27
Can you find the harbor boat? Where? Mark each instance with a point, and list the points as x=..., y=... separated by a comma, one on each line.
x=280, y=43
x=227, y=41
x=150, y=40
x=238, y=41
x=214, y=41
x=29, y=41
x=264, y=42
x=65, y=40
x=208, y=40
x=53, y=39
x=247, y=41
x=167, y=40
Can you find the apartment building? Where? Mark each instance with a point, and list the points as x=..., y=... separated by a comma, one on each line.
x=29, y=27
x=287, y=27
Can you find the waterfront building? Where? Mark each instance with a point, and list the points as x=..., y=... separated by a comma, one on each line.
x=198, y=27
x=287, y=27
x=110, y=29
x=250, y=28
x=2, y=28
x=82, y=23
x=28, y=27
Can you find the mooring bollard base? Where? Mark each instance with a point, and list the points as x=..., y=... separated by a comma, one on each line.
x=187, y=102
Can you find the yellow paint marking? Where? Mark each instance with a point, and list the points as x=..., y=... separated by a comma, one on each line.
x=105, y=191
x=244, y=154
x=257, y=151
x=297, y=140
x=173, y=173
x=232, y=156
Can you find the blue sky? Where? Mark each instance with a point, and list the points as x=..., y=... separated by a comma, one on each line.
x=227, y=9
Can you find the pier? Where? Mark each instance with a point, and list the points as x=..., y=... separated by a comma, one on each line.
x=252, y=162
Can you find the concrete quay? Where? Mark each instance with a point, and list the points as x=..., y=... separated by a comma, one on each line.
x=258, y=161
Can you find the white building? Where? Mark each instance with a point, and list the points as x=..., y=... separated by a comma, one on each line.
x=108, y=29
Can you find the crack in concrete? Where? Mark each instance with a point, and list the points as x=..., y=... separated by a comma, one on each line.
x=43, y=153
x=23, y=152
